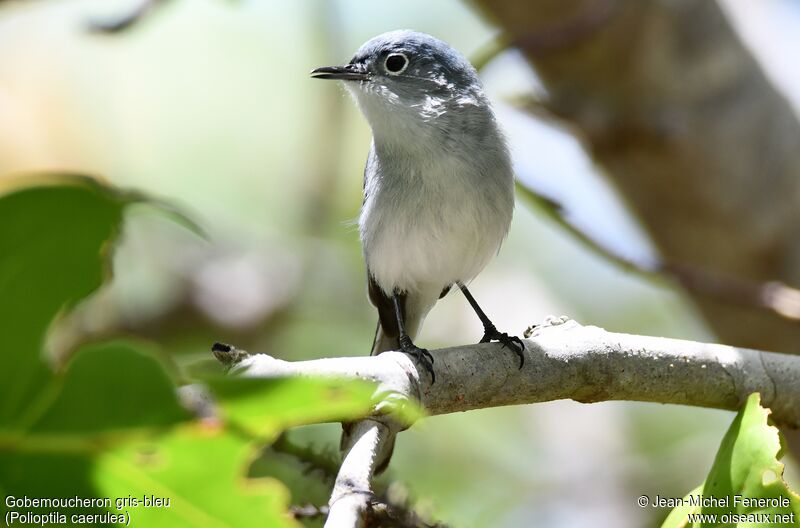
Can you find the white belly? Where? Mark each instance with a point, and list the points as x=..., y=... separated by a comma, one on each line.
x=428, y=239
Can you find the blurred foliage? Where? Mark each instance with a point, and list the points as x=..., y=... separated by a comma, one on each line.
x=108, y=423
x=747, y=466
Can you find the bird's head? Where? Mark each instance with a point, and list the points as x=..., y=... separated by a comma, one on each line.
x=404, y=76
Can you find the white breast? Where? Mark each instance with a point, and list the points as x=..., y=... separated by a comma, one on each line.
x=433, y=225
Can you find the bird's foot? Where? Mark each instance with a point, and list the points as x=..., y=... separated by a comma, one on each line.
x=511, y=342
x=422, y=356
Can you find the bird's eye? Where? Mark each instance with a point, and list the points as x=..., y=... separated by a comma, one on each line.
x=395, y=63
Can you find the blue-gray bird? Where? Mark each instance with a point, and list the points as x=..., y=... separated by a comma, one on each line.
x=438, y=185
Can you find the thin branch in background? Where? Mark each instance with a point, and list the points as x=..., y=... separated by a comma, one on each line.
x=776, y=297
x=126, y=20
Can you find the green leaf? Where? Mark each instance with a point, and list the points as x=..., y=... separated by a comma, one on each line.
x=54, y=241
x=746, y=477
x=55, y=238
x=265, y=407
x=51, y=241
x=109, y=394
x=201, y=471
x=111, y=387
x=46, y=474
x=678, y=517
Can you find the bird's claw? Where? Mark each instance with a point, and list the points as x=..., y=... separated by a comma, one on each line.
x=511, y=342
x=421, y=355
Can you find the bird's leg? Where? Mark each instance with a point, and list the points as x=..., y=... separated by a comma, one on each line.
x=406, y=345
x=490, y=333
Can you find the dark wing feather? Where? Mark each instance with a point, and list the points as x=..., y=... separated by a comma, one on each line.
x=385, y=306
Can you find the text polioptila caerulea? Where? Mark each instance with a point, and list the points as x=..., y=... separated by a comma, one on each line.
x=438, y=185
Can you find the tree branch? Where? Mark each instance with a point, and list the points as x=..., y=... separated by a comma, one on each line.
x=563, y=360
x=352, y=492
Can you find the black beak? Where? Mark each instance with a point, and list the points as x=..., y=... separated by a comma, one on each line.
x=349, y=72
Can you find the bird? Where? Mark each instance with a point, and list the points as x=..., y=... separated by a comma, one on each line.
x=438, y=183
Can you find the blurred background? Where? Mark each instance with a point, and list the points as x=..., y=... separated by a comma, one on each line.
x=207, y=104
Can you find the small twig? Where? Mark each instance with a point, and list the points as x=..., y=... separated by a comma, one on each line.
x=776, y=297
x=228, y=355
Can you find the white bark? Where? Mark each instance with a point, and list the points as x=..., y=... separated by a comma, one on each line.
x=562, y=360
x=352, y=491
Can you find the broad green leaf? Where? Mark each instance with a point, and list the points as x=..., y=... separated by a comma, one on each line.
x=202, y=472
x=265, y=407
x=54, y=240
x=109, y=394
x=55, y=237
x=51, y=241
x=111, y=387
x=63, y=473
x=746, y=470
